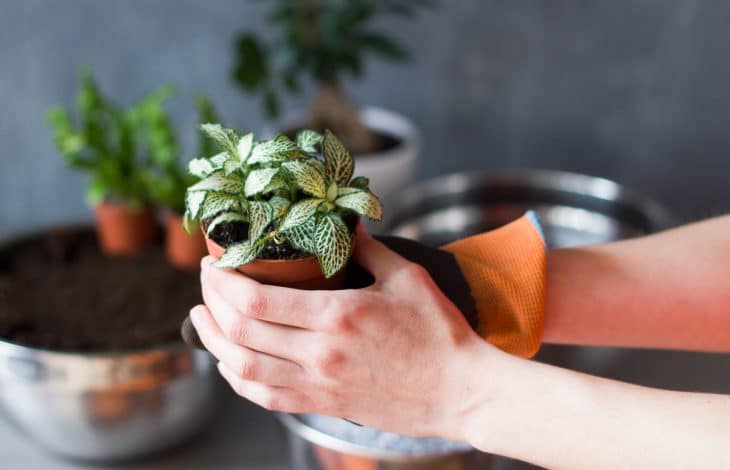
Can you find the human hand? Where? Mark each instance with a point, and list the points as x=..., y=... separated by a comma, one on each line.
x=396, y=355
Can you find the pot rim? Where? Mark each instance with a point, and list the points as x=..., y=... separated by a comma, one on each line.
x=298, y=427
x=374, y=117
x=307, y=259
x=5, y=343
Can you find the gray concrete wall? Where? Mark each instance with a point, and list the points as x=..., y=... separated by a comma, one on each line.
x=633, y=91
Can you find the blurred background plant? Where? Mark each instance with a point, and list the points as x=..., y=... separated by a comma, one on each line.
x=321, y=40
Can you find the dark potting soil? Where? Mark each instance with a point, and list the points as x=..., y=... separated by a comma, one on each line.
x=228, y=233
x=385, y=141
x=59, y=292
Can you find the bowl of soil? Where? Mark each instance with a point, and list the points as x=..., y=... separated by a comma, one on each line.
x=391, y=165
x=90, y=362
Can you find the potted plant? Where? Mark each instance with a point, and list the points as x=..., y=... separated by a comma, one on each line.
x=278, y=212
x=323, y=40
x=106, y=143
x=184, y=250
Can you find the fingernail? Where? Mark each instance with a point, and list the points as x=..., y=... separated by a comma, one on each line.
x=195, y=314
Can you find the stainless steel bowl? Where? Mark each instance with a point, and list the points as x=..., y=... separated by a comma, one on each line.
x=311, y=449
x=574, y=209
x=107, y=406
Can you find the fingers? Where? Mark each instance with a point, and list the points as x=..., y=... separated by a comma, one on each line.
x=270, y=338
x=374, y=256
x=243, y=362
x=292, y=307
x=270, y=397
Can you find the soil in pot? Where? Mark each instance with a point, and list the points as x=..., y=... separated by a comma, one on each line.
x=384, y=142
x=123, y=230
x=278, y=264
x=184, y=250
x=59, y=291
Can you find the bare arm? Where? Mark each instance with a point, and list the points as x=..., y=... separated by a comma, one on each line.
x=670, y=290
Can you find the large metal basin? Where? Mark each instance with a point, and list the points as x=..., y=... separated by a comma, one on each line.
x=107, y=406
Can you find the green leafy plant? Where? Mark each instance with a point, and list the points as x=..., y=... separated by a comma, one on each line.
x=169, y=180
x=108, y=142
x=299, y=192
x=322, y=40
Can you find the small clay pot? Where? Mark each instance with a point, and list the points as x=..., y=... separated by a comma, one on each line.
x=303, y=273
x=184, y=250
x=123, y=230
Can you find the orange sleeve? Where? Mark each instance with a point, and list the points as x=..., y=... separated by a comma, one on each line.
x=505, y=269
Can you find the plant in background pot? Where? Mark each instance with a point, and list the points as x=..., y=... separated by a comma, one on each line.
x=106, y=143
x=184, y=250
x=323, y=40
x=276, y=210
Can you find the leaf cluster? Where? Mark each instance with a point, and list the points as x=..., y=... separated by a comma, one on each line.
x=321, y=39
x=288, y=191
x=131, y=154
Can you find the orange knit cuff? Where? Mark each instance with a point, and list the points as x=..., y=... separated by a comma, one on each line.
x=505, y=269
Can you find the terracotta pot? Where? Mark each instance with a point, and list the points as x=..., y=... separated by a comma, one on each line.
x=303, y=273
x=184, y=250
x=122, y=230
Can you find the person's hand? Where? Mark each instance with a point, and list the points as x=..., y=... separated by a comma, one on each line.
x=397, y=355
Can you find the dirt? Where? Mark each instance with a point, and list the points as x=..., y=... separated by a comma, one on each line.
x=58, y=291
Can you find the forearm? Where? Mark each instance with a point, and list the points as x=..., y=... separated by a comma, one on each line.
x=670, y=290
x=563, y=419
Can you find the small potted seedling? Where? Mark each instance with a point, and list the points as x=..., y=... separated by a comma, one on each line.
x=184, y=250
x=105, y=142
x=324, y=41
x=281, y=211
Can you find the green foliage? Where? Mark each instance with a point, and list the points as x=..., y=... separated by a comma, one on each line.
x=321, y=39
x=132, y=154
x=286, y=192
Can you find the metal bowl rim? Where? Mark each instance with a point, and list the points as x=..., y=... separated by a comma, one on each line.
x=452, y=183
x=301, y=429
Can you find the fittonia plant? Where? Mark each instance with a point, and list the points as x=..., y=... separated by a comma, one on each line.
x=298, y=192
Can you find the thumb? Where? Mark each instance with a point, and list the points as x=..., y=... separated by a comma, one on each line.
x=374, y=256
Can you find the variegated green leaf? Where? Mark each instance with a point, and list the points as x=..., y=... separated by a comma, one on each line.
x=360, y=182
x=333, y=244
x=193, y=202
x=362, y=202
x=215, y=203
x=220, y=159
x=299, y=213
x=245, y=144
x=219, y=182
x=280, y=205
x=307, y=177
x=344, y=190
x=239, y=254
x=275, y=150
x=201, y=167
x=231, y=165
x=337, y=159
x=260, y=215
x=277, y=182
x=302, y=237
x=258, y=180
x=222, y=218
x=226, y=138
x=308, y=140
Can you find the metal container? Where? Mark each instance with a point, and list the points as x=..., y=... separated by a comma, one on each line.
x=574, y=209
x=107, y=406
x=311, y=449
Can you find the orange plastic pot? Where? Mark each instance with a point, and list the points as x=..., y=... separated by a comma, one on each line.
x=123, y=230
x=303, y=273
x=184, y=250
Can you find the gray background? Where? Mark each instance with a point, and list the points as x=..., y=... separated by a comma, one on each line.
x=633, y=91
